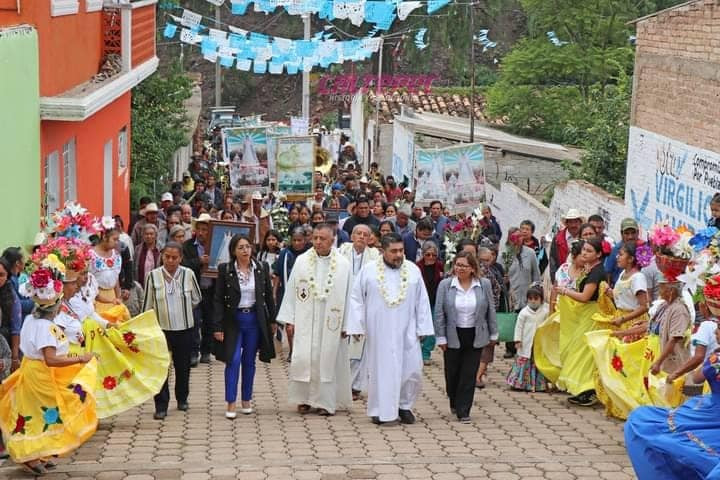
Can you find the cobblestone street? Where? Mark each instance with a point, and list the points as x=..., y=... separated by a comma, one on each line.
x=514, y=436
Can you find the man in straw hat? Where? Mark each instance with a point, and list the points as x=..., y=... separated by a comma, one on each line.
x=560, y=246
x=259, y=216
x=150, y=215
x=195, y=255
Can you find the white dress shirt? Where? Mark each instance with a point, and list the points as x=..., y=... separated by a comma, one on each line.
x=247, y=287
x=465, y=303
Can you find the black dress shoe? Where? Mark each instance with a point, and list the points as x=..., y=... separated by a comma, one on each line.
x=205, y=358
x=194, y=360
x=159, y=415
x=183, y=406
x=376, y=421
x=406, y=416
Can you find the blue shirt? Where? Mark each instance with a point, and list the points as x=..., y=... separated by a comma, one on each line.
x=16, y=318
x=611, y=267
x=26, y=304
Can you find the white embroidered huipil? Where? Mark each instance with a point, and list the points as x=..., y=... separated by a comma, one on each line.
x=392, y=344
x=320, y=368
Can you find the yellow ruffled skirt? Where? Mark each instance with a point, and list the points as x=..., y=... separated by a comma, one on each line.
x=101, y=307
x=578, y=367
x=134, y=359
x=546, y=347
x=47, y=411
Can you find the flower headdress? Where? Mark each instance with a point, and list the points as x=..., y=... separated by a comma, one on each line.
x=675, y=249
x=104, y=224
x=72, y=252
x=45, y=283
x=73, y=221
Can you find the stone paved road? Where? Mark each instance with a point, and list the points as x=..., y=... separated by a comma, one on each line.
x=514, y=436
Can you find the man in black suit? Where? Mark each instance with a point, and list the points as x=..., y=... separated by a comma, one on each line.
x=413, y=241
x=195, y=257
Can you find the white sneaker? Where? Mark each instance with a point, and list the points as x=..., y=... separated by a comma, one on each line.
x=231, y=415
x=246, y=411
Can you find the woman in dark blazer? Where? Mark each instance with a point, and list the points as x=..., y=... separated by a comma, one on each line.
x=244, y=320
x=464, y=324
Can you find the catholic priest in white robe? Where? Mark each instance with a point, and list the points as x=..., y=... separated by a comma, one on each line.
x=313, y=308
x=358, y=254
x=390, y=308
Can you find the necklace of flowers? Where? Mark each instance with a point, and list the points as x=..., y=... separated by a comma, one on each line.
x=324, y=292
x=404, y=282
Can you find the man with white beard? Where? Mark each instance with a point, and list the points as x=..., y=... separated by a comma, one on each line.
x=358, y=255
x=390, y=307
x=313, y=309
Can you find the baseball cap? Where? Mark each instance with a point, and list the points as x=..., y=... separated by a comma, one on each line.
x=167, y=197
x=407, y=189
x=628, y=223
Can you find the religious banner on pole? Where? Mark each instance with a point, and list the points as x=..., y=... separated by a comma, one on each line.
x=299, y=126
x=245, y=150
x=403, y=151
x=295, y=165
x=273, y=133
x=453, y=175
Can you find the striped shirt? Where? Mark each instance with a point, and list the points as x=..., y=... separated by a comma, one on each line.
x=173, y=297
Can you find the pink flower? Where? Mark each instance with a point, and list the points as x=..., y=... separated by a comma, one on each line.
x=57, y=286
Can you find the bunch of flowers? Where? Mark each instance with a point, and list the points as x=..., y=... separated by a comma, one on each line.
x=72, y=252
x=643, y=255
x=512, y=249
x=469, y=227
x=73, y=221
x=280, y=218
x=674, y=242
x=698, y=272
x=711, y=291
x=44, y=284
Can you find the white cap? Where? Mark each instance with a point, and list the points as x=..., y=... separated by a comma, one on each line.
x=407, y=189
x=167, y=197
x=257, y=195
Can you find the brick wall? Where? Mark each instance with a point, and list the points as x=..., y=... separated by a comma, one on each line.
x=677, y=74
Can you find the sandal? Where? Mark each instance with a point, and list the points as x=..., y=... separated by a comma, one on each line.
x=36, y=469
x=303, y=409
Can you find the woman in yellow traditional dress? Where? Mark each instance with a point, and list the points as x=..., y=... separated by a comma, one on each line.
x=546, y=345
x=620, y=388
x=576, y=318
x=106, y=264
x=134, y=352
x=47, y=406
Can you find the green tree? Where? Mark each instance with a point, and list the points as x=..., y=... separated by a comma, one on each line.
x=159, y=128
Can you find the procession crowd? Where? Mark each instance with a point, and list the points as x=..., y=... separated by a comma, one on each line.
x=363, y=285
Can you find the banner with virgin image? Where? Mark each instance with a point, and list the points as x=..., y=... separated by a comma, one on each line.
x=245, y=150
x=453, y=175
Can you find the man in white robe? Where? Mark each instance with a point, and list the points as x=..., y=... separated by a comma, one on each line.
x=359, y=255
x=313, y=309
x=390, y=307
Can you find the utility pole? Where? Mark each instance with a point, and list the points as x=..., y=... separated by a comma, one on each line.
x=378, y=91
x=306, y=75
x=218, y=73
x=472, y=72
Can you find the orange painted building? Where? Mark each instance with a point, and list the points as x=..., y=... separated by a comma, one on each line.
x=91, y=54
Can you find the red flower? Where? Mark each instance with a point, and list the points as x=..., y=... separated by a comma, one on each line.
x=58, y=286
x=129, y=337
x=109, y=383
x=40, y=278
x=617, y=363
x=20, y=424
x=109, y=262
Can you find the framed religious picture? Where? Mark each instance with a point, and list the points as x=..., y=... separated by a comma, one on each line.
x=295, y=163
x=221, y=232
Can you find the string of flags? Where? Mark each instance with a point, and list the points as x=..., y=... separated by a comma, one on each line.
x=379, y=12
x=260, y=53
